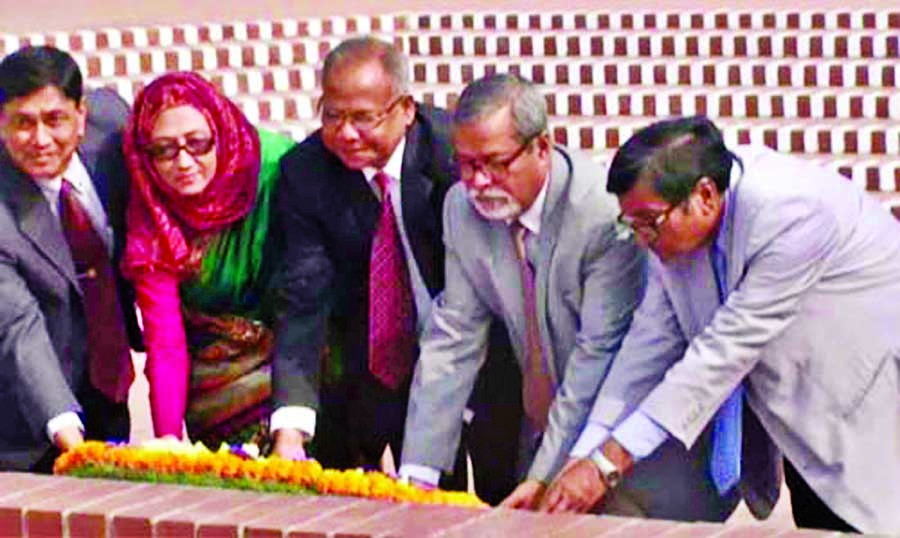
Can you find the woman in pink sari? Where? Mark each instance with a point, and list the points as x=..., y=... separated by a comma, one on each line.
x=199, y=252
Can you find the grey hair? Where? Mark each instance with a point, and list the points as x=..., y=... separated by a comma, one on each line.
x=360, y=49
x=493, y=92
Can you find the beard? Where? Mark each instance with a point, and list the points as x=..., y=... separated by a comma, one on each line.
x=494, y=203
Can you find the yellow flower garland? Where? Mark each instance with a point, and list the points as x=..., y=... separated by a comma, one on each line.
x=195, y=462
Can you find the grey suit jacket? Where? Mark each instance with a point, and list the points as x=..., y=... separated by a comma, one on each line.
x=587, y=280
x=810, y=324
x=42, y=326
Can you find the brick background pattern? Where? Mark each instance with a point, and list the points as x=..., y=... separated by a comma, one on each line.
x=49, y=506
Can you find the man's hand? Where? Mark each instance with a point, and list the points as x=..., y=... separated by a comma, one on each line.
x=68, y=438
x=289, y=444
x=577, y=488
x=526, y=496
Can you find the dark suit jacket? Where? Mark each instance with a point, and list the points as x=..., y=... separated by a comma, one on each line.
x=42, y=323
x=328, y=215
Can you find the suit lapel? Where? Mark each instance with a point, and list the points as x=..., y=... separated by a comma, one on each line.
x=362, y=202
x=38, y=224
x=416, y=188
x=551, y=223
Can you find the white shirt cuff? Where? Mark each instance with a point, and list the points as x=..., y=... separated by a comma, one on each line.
x=294, y=417
x=591, y=437
x=420, y=473
x=639, y=435
x=64, y=420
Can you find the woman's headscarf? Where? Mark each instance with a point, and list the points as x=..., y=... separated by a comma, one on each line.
x=160, y=221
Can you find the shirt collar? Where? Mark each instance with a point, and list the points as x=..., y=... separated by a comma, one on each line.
x=75, y=173
x=393, y=167
x=530, y=219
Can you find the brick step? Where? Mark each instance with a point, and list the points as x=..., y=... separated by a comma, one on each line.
x=278, y=89
x=36, y=505
x=771, y=73
x=684, y=51
x=657, y=42
x=683, y=19
x=462, y=43
x=735, y=76
x=652, y=101
x=880, y=139
x=113, y=39
x=265, y=31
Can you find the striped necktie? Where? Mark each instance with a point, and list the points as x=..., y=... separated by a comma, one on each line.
x=392, y=329
x=107, y=341
x=537, y=384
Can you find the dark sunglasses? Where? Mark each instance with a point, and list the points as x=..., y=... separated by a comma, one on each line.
x=166, y=151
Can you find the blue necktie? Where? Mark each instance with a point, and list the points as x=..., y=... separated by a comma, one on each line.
x=725, y=464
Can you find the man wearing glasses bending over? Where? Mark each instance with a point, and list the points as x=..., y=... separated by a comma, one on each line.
x=359, y=203
x=531, y=239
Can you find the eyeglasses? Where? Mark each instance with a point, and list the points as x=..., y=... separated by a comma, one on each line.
x=168, y=150
x=648, y=229
x=495, y=168
x=360, y=120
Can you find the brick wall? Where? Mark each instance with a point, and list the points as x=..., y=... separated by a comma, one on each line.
x=45, y=506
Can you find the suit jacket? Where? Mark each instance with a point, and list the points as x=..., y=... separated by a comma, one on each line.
x=587, y=283
x=328, y=215
x=810, y=326
x=42, y=322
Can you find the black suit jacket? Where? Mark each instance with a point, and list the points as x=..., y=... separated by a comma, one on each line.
x=42, y=323
x=327, y=215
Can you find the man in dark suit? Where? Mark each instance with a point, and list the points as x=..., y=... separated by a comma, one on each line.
x=65, y=365
x=364, y=191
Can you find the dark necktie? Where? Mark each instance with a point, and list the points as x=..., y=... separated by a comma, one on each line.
x=725, y=464
x=107, y=342
x=392, y=331
x=537, y=384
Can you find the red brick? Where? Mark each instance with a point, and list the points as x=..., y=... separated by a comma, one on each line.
x=185, y=522
x=44, y=517
x=747, y=530
x=639, y=528
x=19, y=490
x=138, y=519
x=357, y=520
x=305, y=509
x=90, y=518
x=504, y=522
x=693, y=530
x=419, y=520
x=590, y=525
x=236, y=514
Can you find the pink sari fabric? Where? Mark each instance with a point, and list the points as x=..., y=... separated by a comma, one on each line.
x=161, y=222
x=164, y=228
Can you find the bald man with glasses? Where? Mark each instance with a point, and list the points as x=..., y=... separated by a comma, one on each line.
x=359, y=203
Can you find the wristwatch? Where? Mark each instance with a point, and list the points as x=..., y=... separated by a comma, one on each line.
x=610, y=474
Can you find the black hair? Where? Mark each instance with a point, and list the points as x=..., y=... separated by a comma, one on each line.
x=672, y=155
x=31, y=69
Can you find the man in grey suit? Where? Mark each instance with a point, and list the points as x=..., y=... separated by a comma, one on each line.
x=65, y=365
x=530, y=239
x=771, y=313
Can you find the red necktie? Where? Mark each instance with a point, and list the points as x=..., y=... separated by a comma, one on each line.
x=392, y=333
x=107, y=342
x=537, y=384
